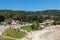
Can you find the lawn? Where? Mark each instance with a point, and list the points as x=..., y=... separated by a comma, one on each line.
x=6, y=39
x=28, y=28
x=14, y=34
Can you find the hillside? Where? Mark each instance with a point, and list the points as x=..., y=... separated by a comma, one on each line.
x=50, y=33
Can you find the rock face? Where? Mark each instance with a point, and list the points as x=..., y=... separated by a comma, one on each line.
x=49, y=33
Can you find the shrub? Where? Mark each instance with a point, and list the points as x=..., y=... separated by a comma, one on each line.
x=35, y=26
x=56, y=23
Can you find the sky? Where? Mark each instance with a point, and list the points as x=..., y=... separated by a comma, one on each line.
x=29, y=5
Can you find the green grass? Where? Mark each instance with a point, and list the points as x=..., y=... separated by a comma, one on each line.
x=14, y=33
x=6, y=39
x=28, y=28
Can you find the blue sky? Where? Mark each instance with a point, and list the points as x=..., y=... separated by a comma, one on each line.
x=30, y=5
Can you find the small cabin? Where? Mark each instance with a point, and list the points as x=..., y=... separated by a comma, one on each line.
x=16, y=20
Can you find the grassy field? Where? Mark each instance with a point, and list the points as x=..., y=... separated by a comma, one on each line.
x=6, y=39
x=14, y=34
x=28, y=28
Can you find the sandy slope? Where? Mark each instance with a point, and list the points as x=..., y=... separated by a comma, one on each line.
x=49, y=33
x=3, y=28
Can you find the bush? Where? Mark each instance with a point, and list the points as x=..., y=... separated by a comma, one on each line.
x=56, y=23
x=35, y=26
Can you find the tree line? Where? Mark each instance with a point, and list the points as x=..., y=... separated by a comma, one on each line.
x=30, y=16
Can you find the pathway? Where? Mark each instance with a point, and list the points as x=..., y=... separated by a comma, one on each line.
x=3, y=28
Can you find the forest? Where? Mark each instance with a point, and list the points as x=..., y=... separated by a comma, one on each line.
x=30, y=16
